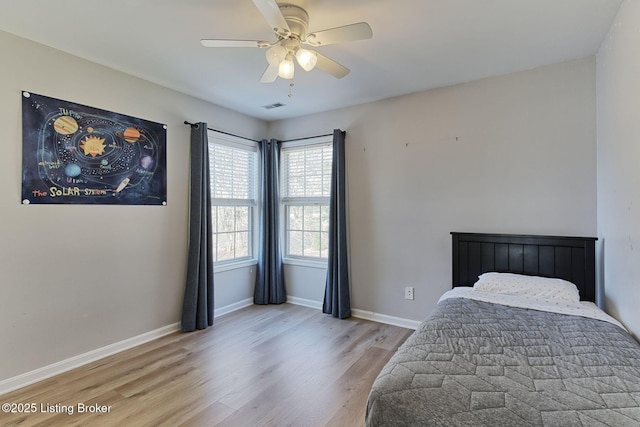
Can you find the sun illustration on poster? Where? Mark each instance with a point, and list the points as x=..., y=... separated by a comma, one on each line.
x=92, y=146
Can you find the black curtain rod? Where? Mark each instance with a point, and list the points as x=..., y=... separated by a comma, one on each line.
x=307, y=137
x=220, y=131
x=254, y=140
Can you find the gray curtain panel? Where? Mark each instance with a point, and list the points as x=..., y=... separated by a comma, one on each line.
x=337, y=299
x=269, y=287
x=197, y=309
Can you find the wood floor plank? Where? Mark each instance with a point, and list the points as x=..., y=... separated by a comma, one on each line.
x=281, y=365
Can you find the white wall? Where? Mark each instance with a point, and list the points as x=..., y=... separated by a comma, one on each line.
x=510, y=154
x=618, y=89
x=77, y=278
x=306, y=283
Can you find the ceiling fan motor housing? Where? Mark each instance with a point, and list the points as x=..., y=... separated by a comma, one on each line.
x=298, y=21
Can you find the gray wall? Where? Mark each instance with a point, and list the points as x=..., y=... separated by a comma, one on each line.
x=515, y=153
x=510, y=154
x=77, y=278
x=619, y=166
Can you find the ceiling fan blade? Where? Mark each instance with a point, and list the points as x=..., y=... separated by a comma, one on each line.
x=270, y=74
x=233, y=43
x=347, y=33
x=330, y=66
x=271, y=12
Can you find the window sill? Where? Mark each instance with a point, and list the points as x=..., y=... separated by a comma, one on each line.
x=234, y=265
x=321, y=263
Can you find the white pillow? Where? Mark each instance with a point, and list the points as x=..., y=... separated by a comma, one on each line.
x=527, y=286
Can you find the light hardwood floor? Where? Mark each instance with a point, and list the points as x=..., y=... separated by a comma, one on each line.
x=281, y=365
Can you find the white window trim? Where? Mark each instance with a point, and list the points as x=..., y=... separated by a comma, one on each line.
x=221, y=266
x=246, y=144
x=320, y=263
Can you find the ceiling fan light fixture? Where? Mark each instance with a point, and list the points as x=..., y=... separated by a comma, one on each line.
x=285, y=69
x=307, y=59
x=290, y=24
x=275, y=54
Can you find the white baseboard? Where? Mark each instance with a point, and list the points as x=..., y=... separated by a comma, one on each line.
x=48, y=371
x=305, y=302
x=383, y=318
x=232, y=307
x=361, y=314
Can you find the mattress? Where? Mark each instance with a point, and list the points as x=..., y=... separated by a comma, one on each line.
x=475, y=363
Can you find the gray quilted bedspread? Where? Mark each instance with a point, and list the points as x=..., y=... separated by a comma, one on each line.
x=474, y=363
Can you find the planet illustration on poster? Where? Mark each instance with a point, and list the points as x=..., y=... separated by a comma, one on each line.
x=72, y=170
x=65, y=125
x=146, y=162
x=131, y=135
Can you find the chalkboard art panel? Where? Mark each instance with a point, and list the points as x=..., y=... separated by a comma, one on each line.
x=74, y=154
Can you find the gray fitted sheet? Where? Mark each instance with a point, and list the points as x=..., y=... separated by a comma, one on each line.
x=474, y=363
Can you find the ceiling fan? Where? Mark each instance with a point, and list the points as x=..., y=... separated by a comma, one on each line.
x=290, y=24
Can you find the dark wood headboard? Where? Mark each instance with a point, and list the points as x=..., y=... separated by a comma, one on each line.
x=568, y=258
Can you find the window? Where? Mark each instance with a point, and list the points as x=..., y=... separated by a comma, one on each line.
x=306, y=187
x=233, y=177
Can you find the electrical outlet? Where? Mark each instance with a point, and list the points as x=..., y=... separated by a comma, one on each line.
x=408, y=292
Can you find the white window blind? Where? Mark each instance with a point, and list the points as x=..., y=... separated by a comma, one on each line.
x=232, y=173
x=306, y=188
x=233, y=179
x=307, y=172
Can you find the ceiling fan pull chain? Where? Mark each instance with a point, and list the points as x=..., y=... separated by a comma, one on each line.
x=291, y=85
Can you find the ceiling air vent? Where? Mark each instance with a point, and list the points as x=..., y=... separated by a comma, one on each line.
x=272, y=106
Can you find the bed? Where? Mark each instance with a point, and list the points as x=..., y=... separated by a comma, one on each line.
x=510, y=345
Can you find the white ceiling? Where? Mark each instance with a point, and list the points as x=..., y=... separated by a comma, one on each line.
x=416, y=44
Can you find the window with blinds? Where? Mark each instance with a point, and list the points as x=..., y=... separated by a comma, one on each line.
x=306, y=187
x=233, y=179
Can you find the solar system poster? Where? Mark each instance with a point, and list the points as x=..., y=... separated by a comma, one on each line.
x=74, y=154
